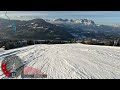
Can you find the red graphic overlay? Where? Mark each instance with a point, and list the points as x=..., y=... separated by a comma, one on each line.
x=5, y=71
x=31, y=71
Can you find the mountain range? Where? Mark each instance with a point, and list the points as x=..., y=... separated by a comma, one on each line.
x=84, y=28
x=71, y=21
x=57, y=29
x=32, y=29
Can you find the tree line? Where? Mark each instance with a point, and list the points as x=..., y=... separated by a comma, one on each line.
x=11, y=44
x=104, y=42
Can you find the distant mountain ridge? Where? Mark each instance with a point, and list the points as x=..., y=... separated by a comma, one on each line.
x=33, y=29
x=57, y=29
x=84, y=28
x=79, y=21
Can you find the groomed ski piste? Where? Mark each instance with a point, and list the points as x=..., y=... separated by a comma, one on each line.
x=70, y=61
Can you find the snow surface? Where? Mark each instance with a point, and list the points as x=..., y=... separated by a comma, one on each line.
x=71, y=61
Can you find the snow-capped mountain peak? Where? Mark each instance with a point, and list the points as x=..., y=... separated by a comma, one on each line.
x=76, y=21
x=84, y=21
x=116, y=25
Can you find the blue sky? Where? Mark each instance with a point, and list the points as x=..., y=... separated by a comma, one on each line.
x=99, y=17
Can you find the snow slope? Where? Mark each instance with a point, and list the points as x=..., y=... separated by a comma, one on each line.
x=71, y=61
